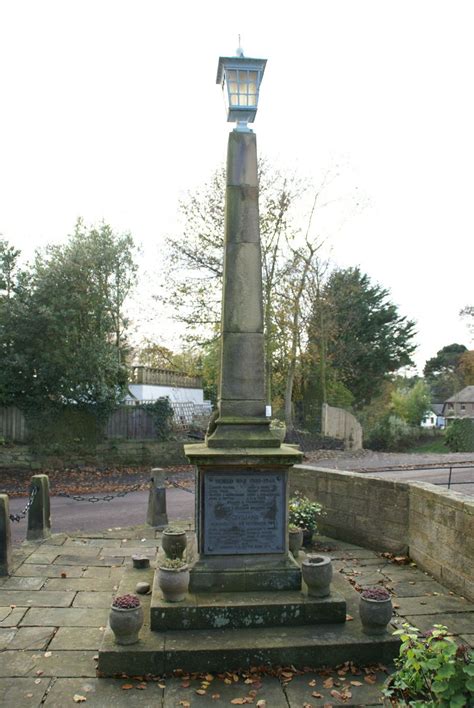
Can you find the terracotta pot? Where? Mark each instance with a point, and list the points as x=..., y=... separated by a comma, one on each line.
x=295, y=541
x=174, y=583
x=375, y=615
x=317, y=574
x=126, y=624
x=174, y=543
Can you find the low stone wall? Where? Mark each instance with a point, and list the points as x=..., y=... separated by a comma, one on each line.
x=434, y=526
x=112, y=452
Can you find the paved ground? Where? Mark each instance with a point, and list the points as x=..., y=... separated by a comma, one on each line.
x=54, y=608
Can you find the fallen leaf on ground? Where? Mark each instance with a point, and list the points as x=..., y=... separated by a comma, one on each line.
x=141, y=686
x=261, y=703
x=215, y=696
x=185, y=684
x=315, y=694
x=185, y=704
x=77, y=698
x=47, y=654
x=200, y=691
x=349, y=618
x=126, y=686
x=209, y=677
x=370, y=678
x=356, y=683
x=238, y=701
x=312, y=683
x=63, y=575
x=328, y=683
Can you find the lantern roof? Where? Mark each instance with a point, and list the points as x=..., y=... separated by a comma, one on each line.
x=239, y=61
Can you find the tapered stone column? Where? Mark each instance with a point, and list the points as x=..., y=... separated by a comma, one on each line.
x=242, y=418
x=242, y=469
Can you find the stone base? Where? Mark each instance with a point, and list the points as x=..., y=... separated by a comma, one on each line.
x=245, y=574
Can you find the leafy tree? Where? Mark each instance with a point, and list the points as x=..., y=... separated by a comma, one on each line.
x=411, y=404
x=442, y=371
x=366, y=338
x=67, y=327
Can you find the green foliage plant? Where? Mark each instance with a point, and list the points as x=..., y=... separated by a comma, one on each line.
x=391, y=433
x=304, y=513
x=162, y=412
x=432, y=670
x=460, y=435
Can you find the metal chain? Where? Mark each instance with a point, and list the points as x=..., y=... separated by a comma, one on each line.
x=105, y=498
x=178, y=486
x=22, y=514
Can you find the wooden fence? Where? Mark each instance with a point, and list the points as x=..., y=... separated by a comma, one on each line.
x=129, y=422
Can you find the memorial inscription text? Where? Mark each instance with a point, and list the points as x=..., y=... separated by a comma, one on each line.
x=244, y=512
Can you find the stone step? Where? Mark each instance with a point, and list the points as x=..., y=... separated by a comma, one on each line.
x=234, y=610
x=315, y=645
x=230, y=649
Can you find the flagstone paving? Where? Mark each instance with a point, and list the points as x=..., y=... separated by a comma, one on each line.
x=54, y=610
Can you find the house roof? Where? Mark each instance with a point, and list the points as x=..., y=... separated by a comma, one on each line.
x=466, y=395
x=437, y=408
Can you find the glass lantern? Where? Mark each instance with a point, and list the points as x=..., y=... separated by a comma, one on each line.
x=240, y=78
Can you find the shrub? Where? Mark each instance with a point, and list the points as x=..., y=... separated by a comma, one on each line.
x=173, y=563
x=391, y=433
x=460, y=435
x=162, y=413
x=431, y=670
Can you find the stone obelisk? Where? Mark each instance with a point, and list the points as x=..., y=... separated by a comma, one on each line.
x=242, y=469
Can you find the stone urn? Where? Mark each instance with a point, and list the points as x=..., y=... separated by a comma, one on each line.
x=295, y=540
x=173, y=542
x=126, y=619
x=173, y=579
x=317, y=574
x=375, y=610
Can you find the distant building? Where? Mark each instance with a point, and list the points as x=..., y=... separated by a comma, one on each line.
x=434, y=417
x=147, y=384
x=461, y=405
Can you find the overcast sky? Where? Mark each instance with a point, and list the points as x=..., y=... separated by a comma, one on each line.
x=109, y=109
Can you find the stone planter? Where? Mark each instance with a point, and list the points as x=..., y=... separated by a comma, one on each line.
x=173, y=583
x=375, y=615
x=295, y=541
x=174, y=543
x=317, y=574
x=126, y=624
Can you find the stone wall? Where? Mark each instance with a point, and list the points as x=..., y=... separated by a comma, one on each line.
x=112, y=452
x=433, y=525
x=340, y=424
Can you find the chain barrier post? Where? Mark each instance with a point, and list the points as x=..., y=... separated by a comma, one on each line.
x=156, y=513
x=39, y=513
x=5, y=536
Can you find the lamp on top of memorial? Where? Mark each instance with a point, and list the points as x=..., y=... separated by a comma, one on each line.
x=240, y=78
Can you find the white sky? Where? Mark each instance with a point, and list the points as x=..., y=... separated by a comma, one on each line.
x=109, y=109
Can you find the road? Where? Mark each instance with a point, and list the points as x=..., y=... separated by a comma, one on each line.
x=70, y=515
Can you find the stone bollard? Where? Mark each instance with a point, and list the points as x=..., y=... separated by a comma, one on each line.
x=39, y=514
x=156, y=513
x=5, y=536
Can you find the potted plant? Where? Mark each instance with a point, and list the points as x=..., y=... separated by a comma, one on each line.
x=295, y=539
x=126, y=618
x=317, y=574
x=375, y=610
x=304, y=514
x=174, y=542
x=173, y=579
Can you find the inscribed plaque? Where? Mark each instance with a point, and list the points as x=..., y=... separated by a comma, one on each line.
x=244, y=512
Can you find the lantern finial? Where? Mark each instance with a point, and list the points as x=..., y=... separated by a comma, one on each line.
x=239, y=51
